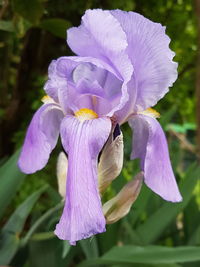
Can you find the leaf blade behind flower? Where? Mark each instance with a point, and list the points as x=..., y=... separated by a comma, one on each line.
x=12, y=229
x=155, y=225
x=10, y=180
x=149, y=256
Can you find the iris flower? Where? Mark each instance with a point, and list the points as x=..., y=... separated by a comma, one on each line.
x=123, y=67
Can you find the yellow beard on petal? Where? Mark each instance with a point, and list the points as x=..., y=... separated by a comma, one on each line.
x=150, y=112
x=47, y=99
x=85, y=114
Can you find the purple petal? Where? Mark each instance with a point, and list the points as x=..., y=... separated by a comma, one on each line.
x=92, y=75
x=148, y=49
x=90, y=88
x=82, y=216
x=101, y=36
x=95, y=79
x=149, y=144
x=50, y=86
x=98, y=104
x=59, y=73
x=41, y=138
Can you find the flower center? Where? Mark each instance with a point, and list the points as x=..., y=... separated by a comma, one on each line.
x=85, y=114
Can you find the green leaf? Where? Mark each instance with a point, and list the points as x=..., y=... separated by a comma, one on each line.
x=132, y=234
x=195, y=237
x=90, y=247
x=12, y=229
x=66, y=248
x=31, y=10
x=46, y=253
x=178, y=128
x=158, y=222
x=181, y=128
x=17, y=220
x=41, y=220
x=10, y=180
x=109, y=238
x=6, y=26
x=9, y=246
x=190, y=126
x=147, y=255
x=141, y=203
x=56, y=26
x=153, y=254
x=43, y=236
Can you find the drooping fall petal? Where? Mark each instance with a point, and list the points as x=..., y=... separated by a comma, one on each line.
x=82, y=215
x=41, y=138
x=149, y=144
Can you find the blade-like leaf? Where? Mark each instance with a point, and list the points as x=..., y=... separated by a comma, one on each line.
x=10, y=181
x=147, y=255
x=66, y=248
x=155, y=225
x=195, y=238
x=8, y=247
x=41, y=220
x=16, y=222
x=46, y=253
x=12, y=229
x=90, y=248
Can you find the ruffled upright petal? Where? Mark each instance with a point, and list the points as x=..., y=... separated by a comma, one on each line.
x=58, y=77
x=82, y=215
x=51, y=86
x=148, y=49
x=149, y=144
x=41, y=138
x=101, y=36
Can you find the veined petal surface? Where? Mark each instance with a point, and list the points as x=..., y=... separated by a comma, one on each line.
x=82, y=215
x=149, y=144
x=151, y=57
x=77, y=77
x=41, y=138
x=101, y=36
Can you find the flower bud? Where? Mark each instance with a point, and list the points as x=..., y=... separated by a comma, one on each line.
x=120, y=205
x=111, y=160
x=62, y=165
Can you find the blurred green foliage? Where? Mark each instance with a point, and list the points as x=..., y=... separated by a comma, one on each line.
x=32, y=33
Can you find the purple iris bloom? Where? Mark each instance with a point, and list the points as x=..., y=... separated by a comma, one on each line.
x=124, y=66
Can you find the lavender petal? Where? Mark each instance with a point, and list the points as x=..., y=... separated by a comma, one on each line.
x=82, y=215
x=149, y=144
x=41, y=138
